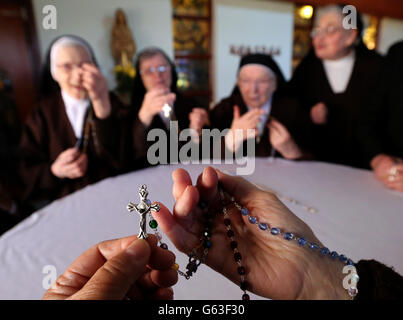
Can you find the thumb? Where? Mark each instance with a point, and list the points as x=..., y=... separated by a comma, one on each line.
x=113, y=280
x=237, y=112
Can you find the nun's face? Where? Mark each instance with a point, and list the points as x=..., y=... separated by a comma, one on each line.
x=257, y=84
x=68, y=72
x=330, y=40
x=156, y=72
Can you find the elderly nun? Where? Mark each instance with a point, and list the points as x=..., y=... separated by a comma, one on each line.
x=259, y=112
x=334, y=84
x=69, y=140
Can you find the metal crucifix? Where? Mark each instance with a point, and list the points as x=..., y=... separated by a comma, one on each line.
x=142, y=209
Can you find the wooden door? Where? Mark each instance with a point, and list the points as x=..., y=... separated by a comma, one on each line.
x=19, y=56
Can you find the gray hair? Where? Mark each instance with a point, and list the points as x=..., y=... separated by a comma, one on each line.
x=65, y=41
x=331, y=8
x=338, y=9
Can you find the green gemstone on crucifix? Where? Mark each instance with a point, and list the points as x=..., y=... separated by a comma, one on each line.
x=153, y=224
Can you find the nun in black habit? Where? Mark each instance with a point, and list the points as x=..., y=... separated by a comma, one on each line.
x=381, y=131
x=156, y=103
x=70, y=138
x=334, y=84
x=258, y=103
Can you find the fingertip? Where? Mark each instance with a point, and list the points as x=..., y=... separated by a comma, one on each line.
x=192, y=192
x=152, y=241
x=181, y=179
x=209, y=173
x=208, y=179
x=162, y=259
x=163, y=210
x=179, y=174
x=186, y=202
x=236, y=110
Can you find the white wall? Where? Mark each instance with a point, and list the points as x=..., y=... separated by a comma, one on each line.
x=149, y=20
x=250, y=23
x=391, y=31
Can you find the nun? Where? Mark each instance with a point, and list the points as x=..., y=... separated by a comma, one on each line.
x=381, y=130
x=69, y=140
x=334, y=84
x=276, y=124
x=156, y=102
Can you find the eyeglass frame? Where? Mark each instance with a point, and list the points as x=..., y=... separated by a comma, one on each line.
x=69, y=67
x=329, y=30
x=151, y=70
x=259, y=83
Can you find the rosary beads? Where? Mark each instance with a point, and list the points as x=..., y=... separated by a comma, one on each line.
x=199, y=254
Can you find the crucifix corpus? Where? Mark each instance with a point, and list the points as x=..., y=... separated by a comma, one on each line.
x=143, y=208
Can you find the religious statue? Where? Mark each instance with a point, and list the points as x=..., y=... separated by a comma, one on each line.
x=122, y=43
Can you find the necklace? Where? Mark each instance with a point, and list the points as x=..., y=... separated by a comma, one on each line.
x=198, y=255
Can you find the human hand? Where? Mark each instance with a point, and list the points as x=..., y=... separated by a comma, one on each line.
x=281, y=139
x=116, y=269
x=70, y=164
x=388, y=170
x=242, y=128
x=249, y=120
x=153, y=102
x=97, y=86
x=275, y=268
x=198, y=118
x=319, y=113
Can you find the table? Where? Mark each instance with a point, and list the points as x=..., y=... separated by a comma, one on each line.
x=355, y=215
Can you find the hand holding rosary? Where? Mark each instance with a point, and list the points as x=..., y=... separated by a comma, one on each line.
x=250, y=237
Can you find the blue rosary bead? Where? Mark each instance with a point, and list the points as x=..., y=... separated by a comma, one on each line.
x=313, y=246
x=148, y=201
x=324, y=251
x=252, y=219
x=350, y=262
x=334, y=255
x=302, y=241
x=288, y=236
x=263, y=226
x=207, y=244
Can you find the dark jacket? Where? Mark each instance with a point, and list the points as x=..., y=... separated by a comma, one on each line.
x=381, y=130
x=284, y=109
x=337, y=141
x=182, y=108
x=48, y=132
x=137, y=144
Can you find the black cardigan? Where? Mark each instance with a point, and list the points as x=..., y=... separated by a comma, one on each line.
x=337, y=141
x=381, y=130
x=286, y=110
x=137, y=146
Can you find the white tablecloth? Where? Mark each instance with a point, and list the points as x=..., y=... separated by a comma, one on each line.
x=355, y=215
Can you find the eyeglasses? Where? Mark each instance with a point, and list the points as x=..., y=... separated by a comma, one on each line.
x=152, y=70
x=69, y=67
x=329, y=30
x=259, y=83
